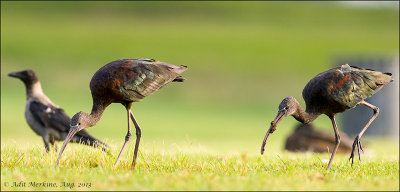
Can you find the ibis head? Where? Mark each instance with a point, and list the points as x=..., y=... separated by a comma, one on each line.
x=287, y=107
x=78, y=122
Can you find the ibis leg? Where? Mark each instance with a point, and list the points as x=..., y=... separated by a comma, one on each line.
x=337, y=142
x=357, y=142
x=138, y=136
x=127, y=137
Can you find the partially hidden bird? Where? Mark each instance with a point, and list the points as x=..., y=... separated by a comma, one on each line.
x=306, y=138
x=124, y=81
x=331, y=92
x=46, y=118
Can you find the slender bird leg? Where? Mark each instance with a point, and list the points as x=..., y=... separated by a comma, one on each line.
x=53, y=143
x=55, y=147
x=46, y=142
x=128, y=135
x=337, y=141
x=357, y=142
x=138, y=136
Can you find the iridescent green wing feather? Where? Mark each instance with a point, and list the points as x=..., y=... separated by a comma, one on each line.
x=353, y=84
x=149, y=76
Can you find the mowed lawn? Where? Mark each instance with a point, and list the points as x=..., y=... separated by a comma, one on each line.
x=205, y=133
x=190, y=166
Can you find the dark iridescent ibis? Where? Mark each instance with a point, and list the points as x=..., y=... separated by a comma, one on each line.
x=330, y=92
x=305, y=138
x=46, y=118
x=124, y=81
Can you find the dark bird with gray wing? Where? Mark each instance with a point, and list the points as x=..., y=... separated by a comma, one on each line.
x=330, y=92
x=46, y=118
x=124, y=81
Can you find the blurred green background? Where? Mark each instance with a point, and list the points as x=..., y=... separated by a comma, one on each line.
x=243, y=58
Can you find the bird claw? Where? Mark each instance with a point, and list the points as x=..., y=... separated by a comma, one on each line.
x=357, y=143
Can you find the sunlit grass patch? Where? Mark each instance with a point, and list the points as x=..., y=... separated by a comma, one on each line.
x=178, y=169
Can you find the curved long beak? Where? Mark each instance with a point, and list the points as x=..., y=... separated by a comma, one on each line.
x=72, y=131
x=272, y=128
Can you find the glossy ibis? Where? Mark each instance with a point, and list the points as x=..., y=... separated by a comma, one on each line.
x=330, y=92
x=305, y=138
x=46, y=118
x=124, y=81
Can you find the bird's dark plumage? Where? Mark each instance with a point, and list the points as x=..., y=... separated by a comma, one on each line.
x=56, y=118
x=50, y=116
x=339, y=89
x=130, y=80
x=45, y=118
x=330, y=92
x=124, y=81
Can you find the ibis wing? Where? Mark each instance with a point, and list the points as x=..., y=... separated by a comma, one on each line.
x=350, y=87
x=50, y=116
x=342, y=88
x=148, y=79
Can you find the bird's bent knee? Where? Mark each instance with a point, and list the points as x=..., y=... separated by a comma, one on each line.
x=337, y=139
x=128, y=136
x=376, y=110
x=138, y=133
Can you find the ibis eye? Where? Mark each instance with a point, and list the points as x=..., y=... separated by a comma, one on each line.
x=286, y=108
x=79, y=123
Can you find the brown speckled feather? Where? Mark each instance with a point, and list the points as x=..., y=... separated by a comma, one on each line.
x=130, y=80
x=341, y=88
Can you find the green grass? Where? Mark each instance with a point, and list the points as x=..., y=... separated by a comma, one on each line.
x=190, y=166
x=243, y=58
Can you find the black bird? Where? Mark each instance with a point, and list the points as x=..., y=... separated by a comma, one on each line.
x=124, y=81
x=306, y=138
x=46, y=118
x=334, y=91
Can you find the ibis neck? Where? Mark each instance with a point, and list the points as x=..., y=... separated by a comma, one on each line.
x=95, y=115
x=303, y=116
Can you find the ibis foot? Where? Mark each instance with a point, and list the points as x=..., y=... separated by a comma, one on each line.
x=357, y=143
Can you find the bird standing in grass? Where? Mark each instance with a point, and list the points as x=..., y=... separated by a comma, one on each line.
x=46, y=118
x=124, y=81
x=330, y=92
